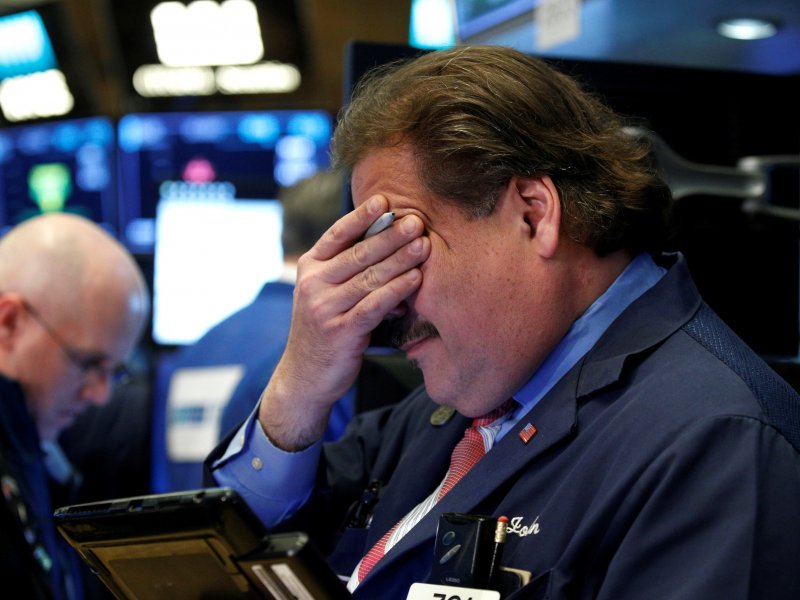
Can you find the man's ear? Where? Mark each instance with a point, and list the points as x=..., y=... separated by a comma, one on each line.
x=10, y=311
x=541, y=211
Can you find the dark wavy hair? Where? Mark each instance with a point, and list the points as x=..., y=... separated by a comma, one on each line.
x=476, y=116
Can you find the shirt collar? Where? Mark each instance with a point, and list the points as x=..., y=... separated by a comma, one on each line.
x=640, y=275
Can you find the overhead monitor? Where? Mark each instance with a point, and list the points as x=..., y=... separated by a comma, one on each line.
x=199, y=191
x=64, y=166
x=476, y=17
x=432, y=24
x=43, y=72
x=24, y=45
x=240, y=154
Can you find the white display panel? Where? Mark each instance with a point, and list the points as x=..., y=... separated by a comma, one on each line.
x=211, y=259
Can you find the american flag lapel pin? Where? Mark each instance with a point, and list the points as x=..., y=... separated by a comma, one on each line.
x=527, y=433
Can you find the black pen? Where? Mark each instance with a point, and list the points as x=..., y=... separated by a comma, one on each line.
x=493, y=580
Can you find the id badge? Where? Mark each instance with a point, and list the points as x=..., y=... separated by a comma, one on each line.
x=430, y=591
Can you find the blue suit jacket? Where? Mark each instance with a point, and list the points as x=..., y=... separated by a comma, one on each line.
x=665, y=465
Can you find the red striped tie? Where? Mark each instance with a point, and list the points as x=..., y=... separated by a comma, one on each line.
x=465, y=455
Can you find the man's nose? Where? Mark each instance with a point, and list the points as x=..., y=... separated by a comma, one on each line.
x=97, y=389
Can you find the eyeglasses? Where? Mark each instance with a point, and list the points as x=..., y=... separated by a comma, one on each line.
x=86, y=364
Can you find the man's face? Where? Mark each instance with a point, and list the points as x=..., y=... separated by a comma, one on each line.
x=57, y=389
x=473, y=325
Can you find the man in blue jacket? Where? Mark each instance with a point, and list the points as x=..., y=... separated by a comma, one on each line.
x=636, y=446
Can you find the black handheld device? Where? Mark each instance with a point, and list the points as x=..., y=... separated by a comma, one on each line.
x=193, y=545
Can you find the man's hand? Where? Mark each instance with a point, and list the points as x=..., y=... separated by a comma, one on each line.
x=345, y=287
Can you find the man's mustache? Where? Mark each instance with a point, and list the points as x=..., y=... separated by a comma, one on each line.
x=399, y=332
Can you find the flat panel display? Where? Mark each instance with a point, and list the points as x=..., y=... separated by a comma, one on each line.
x=199, y=191
x=211, y=259
x=212, y=155
x=474, y=17
x=66, y=165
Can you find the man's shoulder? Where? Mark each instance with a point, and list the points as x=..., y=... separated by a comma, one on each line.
x=702, y=372
x=779, y=401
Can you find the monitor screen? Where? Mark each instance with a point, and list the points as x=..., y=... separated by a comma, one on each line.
x=475, y=17
x=58, y=166
x=212, y=257
x=244, y=154
x=24, y=45
x=199, y=191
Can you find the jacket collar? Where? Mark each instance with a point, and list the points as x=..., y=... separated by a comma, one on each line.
x=657, y=314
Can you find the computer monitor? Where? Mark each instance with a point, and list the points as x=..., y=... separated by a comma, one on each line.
x=199, y=192
x=244, y=154
x=65, y=165
x=212, y=257
x=475, y=18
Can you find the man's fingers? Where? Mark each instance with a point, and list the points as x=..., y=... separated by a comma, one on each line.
x=374, y=278
x=349, y=229
x=369, y=253
x=371, y=310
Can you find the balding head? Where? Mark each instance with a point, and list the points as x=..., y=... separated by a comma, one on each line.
x=59, y=259
x=87, y=289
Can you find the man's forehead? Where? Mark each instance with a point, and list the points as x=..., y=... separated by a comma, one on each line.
x=385, y=170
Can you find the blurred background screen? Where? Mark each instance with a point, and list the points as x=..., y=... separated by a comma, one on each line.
x=198, y=191
x=67, y=165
